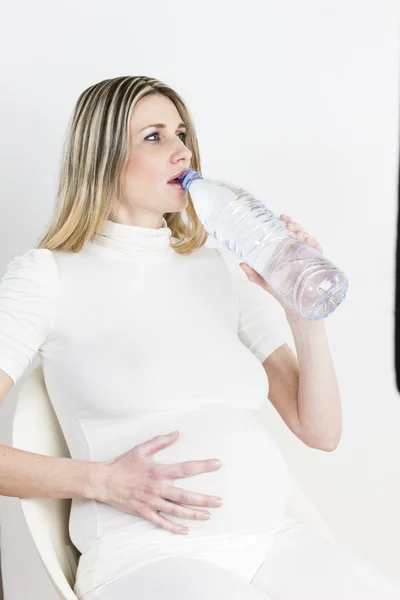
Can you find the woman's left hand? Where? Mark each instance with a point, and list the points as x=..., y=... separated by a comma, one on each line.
x=259, y=280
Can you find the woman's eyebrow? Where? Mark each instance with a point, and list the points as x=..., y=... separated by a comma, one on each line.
x=160, y=126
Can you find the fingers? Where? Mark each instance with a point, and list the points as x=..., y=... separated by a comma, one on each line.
x=293, y=226
x=159, y=501
x=301, y=234
x=186, y=469
x=182, y=496
x=249, y=271
x=176, y=510
x=285, y=218
x=157, y=443
x=163, y=523
x=141, y=485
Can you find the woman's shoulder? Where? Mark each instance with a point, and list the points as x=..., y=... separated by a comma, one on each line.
x=40, y=258
x=28, y=292
x=36, y=266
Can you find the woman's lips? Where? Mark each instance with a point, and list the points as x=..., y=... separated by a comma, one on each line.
x=177, y=186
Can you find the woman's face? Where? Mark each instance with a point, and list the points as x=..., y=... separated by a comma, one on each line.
x=156, y=155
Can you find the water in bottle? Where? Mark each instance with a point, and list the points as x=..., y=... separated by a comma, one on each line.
x=307, y=281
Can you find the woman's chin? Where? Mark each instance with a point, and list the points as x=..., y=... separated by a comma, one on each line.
x=179, y=203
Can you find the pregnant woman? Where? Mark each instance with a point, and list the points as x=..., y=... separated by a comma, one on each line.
x=146, y=327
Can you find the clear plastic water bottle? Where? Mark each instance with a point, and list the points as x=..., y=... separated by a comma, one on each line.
x=307, y=281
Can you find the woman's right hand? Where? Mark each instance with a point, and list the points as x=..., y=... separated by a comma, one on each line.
x=134, y=483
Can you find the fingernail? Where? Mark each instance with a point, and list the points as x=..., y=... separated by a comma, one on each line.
x=217, y=463
x=172, y=434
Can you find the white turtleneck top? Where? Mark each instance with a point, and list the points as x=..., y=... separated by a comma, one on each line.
x=136, y=340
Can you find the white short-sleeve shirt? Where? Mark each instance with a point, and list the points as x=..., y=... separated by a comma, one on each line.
x=136, y=340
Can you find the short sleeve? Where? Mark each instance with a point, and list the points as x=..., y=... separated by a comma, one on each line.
x=262, y=323
x=27, y=307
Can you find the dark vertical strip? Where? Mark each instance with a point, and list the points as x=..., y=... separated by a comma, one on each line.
x=397, y=283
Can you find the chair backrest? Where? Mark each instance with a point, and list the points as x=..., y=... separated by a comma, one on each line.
x=48, y=518
x=300, y=508
x=36, y=429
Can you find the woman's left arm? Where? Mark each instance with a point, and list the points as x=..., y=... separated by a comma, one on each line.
x=304, y=389
x=318, y=397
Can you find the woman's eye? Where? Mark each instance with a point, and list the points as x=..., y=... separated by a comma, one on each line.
x=153, y=134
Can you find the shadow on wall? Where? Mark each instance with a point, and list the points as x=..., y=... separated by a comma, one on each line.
x=397, y=286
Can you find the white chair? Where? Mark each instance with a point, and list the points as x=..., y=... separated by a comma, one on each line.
x=48, y=518
x=35, y=428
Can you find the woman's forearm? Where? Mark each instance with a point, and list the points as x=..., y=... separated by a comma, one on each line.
x=30, y=475
x=319, y=403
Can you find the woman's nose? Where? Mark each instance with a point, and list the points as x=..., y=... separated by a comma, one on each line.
x=182, y=151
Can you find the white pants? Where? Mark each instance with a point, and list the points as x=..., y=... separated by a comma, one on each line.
x=298, y=566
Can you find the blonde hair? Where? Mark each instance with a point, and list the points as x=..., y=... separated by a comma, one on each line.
x=95, y=153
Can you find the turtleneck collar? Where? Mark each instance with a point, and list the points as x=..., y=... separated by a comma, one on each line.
x=132, y=242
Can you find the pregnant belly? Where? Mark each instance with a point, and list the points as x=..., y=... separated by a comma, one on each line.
x=253, y=478
x=252, y=481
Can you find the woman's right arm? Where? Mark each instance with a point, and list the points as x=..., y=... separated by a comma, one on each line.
x=28, y=291
x=131, y=482
x=30, y=475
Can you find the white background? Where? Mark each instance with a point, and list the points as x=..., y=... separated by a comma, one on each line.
x=297, y=102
